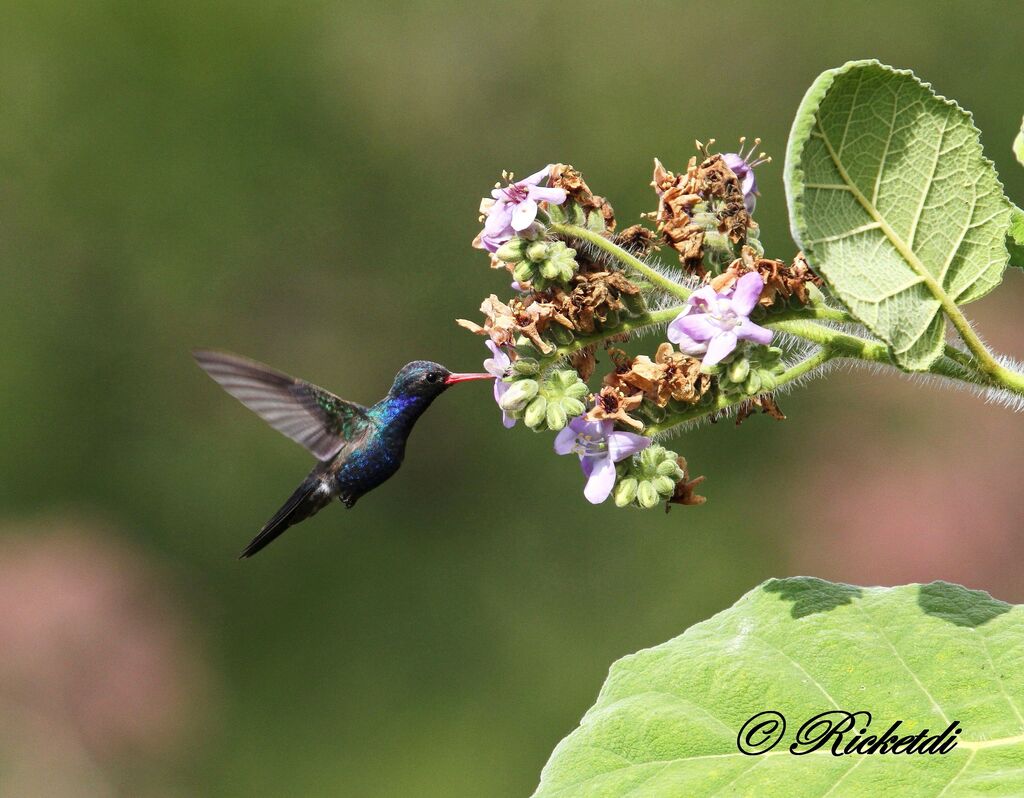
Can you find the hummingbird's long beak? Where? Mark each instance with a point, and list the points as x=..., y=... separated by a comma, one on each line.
x=454, y=378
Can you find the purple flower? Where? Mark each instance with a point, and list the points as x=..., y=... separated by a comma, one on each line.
x=713, y=322
x=498, y=367
x=514, y=208
x=743, y=166
x=599, y=447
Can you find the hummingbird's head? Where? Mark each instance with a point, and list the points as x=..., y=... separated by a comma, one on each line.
x=425, y=378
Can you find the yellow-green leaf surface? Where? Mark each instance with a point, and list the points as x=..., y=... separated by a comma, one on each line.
x=1018, y=144
x=666, y=721
x=894, y=204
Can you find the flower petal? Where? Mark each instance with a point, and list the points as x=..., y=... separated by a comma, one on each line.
x=536, y=177
x=507, y=420
x=748, y=291
x=524, y=214
x=556, y=196
x=702, y=298
x=601, y=480
x=696, y=326
x=719, y=347
x=736, y=164
x=565, y=441
x=685, y=343
x=497, y=364
x=623, y=444
x=499, y=218
x=749, y=331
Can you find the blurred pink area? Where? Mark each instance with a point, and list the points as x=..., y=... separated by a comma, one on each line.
x=94, y=665
x=920, y=482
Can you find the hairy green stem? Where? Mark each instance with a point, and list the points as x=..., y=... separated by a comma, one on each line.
x=979, y=368
x=628, y=259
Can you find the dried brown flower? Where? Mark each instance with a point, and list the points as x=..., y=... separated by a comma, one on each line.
x=504, y=323
x=636, y=239
x=765, y=403
x=565, y=177
x=671, y=375
x=593, y=297
x=685, y=492
x=584, y=362
x=675, y=200
x=782, y=282
x=613, y=405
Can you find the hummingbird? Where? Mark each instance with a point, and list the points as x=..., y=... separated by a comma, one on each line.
x=357, y=447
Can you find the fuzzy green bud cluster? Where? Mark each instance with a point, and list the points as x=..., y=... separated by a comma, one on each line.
x=750, y=370
x=546, y=403
x=648, y=478
x=539, y=263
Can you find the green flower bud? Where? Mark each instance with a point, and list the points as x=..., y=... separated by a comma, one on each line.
x=665, y=486
x=573, y=407
x=518, y=396
x=595, y=222
x=560, y=335
x=549, y=269
x=738, y=370
x=625, y=492
x=526, y=349
x=753, y=384
x=525, y=367
x=523, y=272
x=612, y=320
x=535, y=413
x=635, y=304
x=666, y=468
x=557, y=418
x=652, y=411
x=537, y=251
x=646, y=495
x=565, y=378
x=511, y=251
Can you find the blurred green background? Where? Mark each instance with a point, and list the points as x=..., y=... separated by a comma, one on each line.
x=299, y=182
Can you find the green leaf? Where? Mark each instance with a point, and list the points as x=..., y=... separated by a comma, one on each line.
x=667, y=719
x=894, y=204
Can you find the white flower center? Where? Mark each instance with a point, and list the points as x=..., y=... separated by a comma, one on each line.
x=723, y=315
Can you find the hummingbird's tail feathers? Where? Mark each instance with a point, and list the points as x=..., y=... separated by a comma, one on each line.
x=308, y=499
x=306, y=413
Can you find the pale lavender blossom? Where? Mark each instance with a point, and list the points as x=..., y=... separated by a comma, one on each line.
x=513, y=208
x=714, y=322
x=743, y=164
x=599, y=447
x=497, y=366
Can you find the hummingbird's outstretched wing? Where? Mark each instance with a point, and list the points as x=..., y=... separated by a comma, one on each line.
x=306, y=413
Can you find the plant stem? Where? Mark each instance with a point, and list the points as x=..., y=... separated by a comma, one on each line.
x=628, y=259
x=981, y=369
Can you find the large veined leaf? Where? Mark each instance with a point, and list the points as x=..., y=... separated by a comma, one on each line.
x=666, y=722
x=894, y=203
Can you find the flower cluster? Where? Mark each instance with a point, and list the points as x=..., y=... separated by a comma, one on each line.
x=580, y=288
